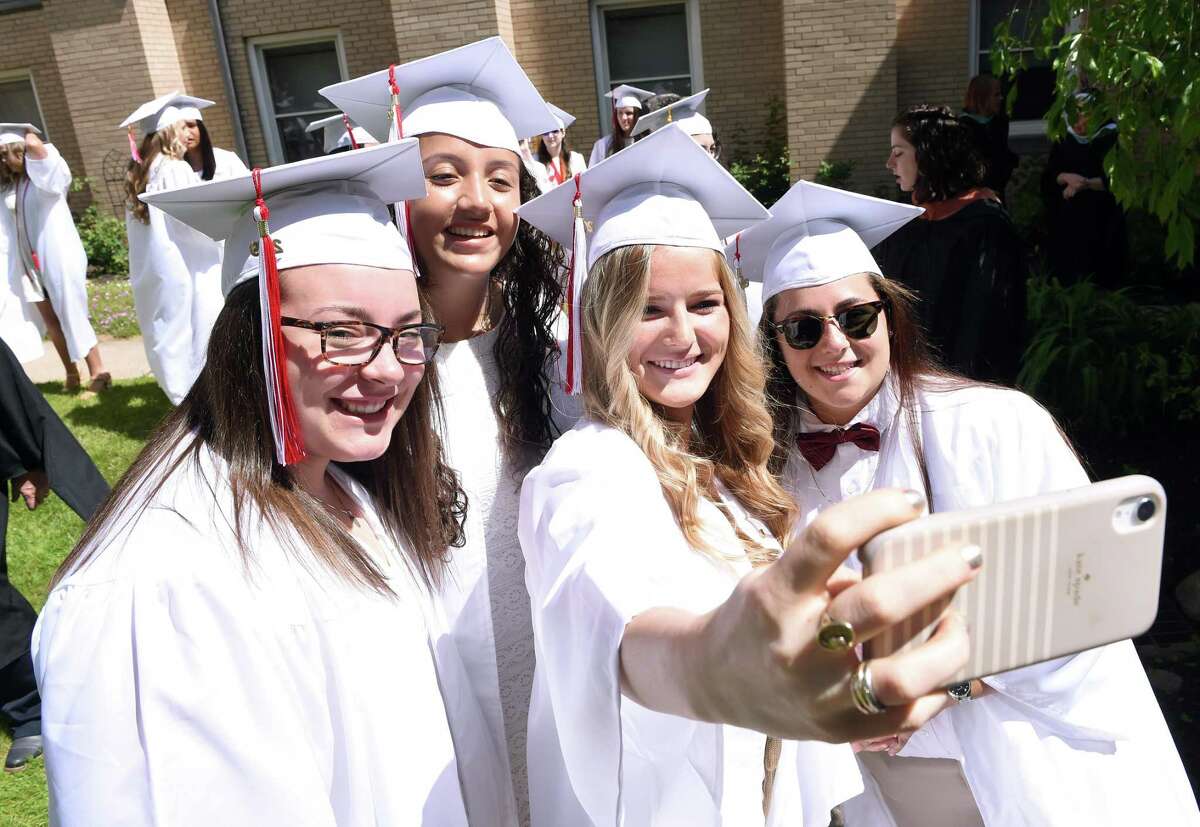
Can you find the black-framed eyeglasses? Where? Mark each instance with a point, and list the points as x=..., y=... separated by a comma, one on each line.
x=857, y=322
x=356, y=343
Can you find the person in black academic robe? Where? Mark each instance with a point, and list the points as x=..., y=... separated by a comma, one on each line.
x=1085, y=225
x=968, y=270
x=983, y=115
x=36, y=452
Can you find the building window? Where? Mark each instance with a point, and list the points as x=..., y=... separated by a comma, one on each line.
x=655, y=46
x=19, y=5
x=19, y=100
x=1035, y=84
x=287, y=73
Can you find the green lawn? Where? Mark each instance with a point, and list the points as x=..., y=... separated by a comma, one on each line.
x=112, y=429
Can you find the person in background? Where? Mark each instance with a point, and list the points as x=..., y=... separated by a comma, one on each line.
x=627, y=102
x=37, y=454
x=1085, y=225
x=962, y=257
x=340, y=134
x=983, y=112
x=47, y=250
x=208, y=162
x=554, y=153
x=858, y=405
x=669, y=108
x=18, y=295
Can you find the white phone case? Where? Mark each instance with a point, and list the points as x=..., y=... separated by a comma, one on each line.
x=1062, y=572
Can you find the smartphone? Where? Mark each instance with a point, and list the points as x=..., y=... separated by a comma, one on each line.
x=1062, y=573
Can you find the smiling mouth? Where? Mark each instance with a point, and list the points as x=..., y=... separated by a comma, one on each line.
x=363, y=407
x=469, y=232
x=672, y=364
x=840, y=369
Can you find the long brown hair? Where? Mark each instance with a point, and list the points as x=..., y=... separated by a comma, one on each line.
x=911, y=362
x=165, y=141
x=419, y=500
x=978, y=98
x=9, y=178
x=730, y=439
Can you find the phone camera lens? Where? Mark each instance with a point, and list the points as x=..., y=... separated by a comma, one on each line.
x=1145, y=509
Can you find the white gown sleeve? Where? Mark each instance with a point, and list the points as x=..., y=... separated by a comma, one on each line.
x=163, y=703
x=50, y=174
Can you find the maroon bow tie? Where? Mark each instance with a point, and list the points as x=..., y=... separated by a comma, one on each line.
x=819, y=447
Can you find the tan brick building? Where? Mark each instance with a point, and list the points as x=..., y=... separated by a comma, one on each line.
x=840, y=69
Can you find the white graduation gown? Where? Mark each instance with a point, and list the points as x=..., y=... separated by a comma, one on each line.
x=18, y=317
x=181, y=686
x=484, y=596
x=1077, y=740
x=601, y=545
x=45, y=219
x=575, y=165
x=599, y=150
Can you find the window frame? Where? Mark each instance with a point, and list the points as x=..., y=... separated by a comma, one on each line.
x=600, y=53
x=9, y=75
x=268, y=118
x=10, y=6
x=1029, y=128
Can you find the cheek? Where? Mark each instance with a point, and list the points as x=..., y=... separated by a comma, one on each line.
x=507, y=220
x=797, y=362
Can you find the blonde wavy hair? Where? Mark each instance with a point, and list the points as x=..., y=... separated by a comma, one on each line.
x=731, y=439
x=166, y=141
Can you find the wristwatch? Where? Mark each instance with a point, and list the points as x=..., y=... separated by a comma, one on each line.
x=960, y=692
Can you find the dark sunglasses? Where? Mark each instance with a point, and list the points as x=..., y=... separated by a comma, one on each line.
x=857, y=322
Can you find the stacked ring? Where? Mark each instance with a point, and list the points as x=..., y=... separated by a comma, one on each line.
x=835, y=635
x=862, y=693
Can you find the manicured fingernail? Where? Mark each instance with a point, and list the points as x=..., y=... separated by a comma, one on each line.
x=973, y=555
x=915, y=498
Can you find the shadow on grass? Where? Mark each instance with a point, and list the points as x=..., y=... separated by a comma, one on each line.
x=133, y=410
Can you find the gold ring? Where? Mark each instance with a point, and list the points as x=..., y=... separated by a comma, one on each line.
x=835, y=635
x=862, y=693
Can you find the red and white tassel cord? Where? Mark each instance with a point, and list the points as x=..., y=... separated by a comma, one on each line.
x=395, y=133
x=285, y=426
x=737, y=261
x=133, y=147
x=578, y=274
x=349, y=131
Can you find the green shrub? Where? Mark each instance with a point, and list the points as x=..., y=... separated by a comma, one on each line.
x=835, y=174
x=103, y=238
x=1105, y=363
x=768, y=174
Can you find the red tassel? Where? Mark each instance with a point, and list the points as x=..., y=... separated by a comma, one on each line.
x=737, y=261
x=349, y=131
x=285, y=425
x=396, y=133
x=133, y=148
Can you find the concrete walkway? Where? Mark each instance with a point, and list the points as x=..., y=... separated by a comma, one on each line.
x=123, y=358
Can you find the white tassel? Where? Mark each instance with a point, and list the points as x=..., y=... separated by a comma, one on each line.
x=575, y=292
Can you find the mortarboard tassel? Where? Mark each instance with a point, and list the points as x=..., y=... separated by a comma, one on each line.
x=133, y=148
x=349, y=131
x=395, y=133
x=743, y=282
x=578, y=273
x=285, y=426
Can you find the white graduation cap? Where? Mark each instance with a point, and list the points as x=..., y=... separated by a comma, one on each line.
x=339, y=132
x=563, y=117
x=816, y=235
x=166, y=110
x=628, y=97
x=685, y=112
x=14, y=133
x=476, y=92
x=663, y=190
x=327, y=210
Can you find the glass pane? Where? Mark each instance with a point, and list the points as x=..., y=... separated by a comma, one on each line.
x=1027, y=18
x=18, y=104
x=298, y=144
x=295, y=73
x=647, y=42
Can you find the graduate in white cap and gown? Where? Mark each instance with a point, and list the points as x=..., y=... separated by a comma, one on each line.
x=340, y=134
x=246, y=632
x=174, y=270
x=650, y=525
x=45, y=250
x=493, y=282
x=627, y=104
x=556, y=161
x=685, y=112
x=18, y=295
x=860, y=405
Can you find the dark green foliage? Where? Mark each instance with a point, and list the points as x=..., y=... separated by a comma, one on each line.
x=835, y=174
x=768, y=174
x=103, y=238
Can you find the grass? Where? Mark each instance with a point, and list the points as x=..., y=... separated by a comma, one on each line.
x=112, y=428
x=110, y=302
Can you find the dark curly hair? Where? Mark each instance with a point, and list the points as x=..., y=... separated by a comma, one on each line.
x=948, y=159
x=529, y=284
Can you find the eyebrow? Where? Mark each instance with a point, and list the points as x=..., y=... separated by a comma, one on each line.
x=837, y=308
x=360, y=314
x=699, y=294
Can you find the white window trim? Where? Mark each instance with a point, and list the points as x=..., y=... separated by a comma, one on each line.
x=262, y=89
x=1016, y=129
x=27, y=74
x=600, y=53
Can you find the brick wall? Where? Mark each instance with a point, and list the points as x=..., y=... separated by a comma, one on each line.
x=932, y=45
x=366, y=28
x=840, y=77
x=425, y=27
x=200, y=66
